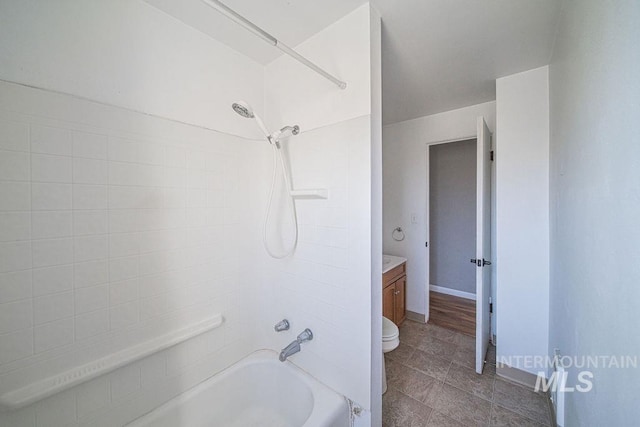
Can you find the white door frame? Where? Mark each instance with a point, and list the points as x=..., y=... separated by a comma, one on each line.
x=427, y=229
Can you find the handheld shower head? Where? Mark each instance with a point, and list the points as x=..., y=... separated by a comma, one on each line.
x=245, y=110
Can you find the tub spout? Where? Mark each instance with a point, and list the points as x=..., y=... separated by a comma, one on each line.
x=294, y=346
x=289, y=350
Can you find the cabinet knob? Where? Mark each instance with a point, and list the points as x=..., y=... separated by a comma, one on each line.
x=396, y=292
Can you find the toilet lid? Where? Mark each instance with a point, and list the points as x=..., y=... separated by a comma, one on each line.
x=389, y=329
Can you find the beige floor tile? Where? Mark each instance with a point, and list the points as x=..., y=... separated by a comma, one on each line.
x=411, y=334
x=415, y=384
x=399, y=410
x=465, y=341
x=521, y=400
x=437, y=347
x=442, y=333
x=465, y=357
x=501, y=417
x=440, y=420
x=393, y=368
x=468, y=380
x=462, y=406
x=415, y=326
x=415, y=379
x=402, y=353
x=430, y=365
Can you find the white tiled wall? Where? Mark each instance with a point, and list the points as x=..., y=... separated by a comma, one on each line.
x=111, y=232
x=116, y=226
x=326, y=285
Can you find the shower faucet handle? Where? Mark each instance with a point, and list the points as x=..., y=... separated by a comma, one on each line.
x=305, y=335
x=282, y=325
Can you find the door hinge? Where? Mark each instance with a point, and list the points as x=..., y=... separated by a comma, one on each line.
x=491, y=155
x=490, y=306
x=426, y=244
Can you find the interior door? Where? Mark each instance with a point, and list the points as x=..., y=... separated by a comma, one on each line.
x=483, y=243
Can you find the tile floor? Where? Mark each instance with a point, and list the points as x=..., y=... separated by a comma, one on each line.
x=432, y=382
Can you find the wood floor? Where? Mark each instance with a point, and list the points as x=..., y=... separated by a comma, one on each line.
x=452, y=312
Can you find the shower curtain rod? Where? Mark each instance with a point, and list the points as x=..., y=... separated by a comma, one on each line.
x=239, y=19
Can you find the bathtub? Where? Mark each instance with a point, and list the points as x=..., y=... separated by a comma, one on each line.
x=259, y=390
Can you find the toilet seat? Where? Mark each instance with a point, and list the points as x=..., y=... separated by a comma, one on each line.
x=390, y=335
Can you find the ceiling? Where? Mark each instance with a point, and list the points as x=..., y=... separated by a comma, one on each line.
x=437, y=55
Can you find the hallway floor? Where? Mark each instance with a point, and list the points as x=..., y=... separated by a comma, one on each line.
x=452, y=312
x=432, y=382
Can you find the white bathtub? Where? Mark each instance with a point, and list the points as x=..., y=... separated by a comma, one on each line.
x=260, y=391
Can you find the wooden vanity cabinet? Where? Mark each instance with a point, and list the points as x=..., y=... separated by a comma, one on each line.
x=388, y=304
x=394, y=283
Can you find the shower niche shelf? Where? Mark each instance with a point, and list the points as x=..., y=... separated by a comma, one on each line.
x=41, y=389
x=313, y=193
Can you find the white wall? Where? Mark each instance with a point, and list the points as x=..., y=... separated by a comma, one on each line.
x=296, y=94
x=522, y=215
x=595, y=204
x=128, y=54
x=326, y=285
x=376, y=220
x=405, y=185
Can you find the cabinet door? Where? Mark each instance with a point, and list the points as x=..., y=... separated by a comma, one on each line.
x=399, y=293
x=388, y=307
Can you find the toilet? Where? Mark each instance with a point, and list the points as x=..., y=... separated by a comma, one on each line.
x=390, y=341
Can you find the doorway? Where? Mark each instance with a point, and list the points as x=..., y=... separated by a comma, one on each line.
x=479, y=254
x=452, y=229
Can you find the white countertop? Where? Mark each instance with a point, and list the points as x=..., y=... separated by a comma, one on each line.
x=389, y=262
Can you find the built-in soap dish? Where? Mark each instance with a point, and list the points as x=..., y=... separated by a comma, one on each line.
x=313, y=193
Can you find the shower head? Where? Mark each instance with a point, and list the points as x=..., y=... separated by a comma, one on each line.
x=243, y=109
x=285, y=132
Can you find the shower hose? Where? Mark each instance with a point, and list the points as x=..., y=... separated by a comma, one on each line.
x=277, y=154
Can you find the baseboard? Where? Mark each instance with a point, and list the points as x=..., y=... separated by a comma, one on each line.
x=455, y=293
x=516, y=375
x=416, y=317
